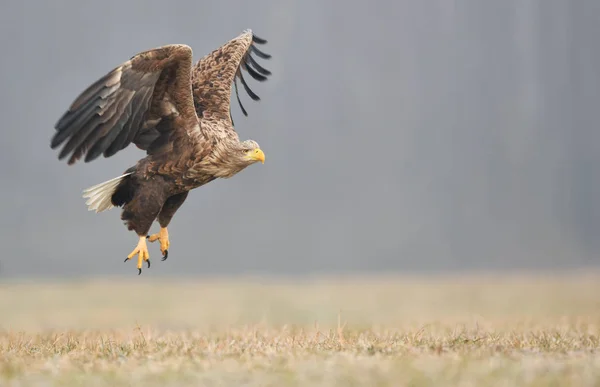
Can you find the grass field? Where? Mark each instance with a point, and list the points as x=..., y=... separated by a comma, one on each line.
x=512, y=330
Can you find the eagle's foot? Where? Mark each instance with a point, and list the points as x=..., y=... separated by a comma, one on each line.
x=163, y=237
x=141, y=251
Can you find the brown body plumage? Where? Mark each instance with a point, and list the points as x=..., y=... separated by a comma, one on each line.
x=179, y=113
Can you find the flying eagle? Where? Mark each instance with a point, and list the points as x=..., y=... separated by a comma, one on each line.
x=180, y=114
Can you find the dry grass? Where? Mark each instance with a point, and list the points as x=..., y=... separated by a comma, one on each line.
x=469, y=331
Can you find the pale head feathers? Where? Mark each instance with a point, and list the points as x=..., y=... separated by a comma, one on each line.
x=249, y=145
x=230, y=157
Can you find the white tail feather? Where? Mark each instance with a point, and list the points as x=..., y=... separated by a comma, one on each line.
x=99, y=196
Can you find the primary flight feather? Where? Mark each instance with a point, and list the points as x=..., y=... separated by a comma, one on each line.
x=180, y=114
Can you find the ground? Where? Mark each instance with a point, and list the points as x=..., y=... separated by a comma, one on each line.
x=469, y=330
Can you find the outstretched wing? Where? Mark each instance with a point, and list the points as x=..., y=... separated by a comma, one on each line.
x=216, y=73
x=144, y=99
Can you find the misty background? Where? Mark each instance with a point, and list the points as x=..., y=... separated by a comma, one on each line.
x=400, y=136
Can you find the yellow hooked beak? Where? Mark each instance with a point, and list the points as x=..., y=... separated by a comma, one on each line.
x=258, y=155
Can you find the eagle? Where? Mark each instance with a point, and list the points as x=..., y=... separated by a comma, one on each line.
x=179, y=112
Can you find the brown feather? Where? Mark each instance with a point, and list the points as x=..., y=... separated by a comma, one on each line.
x=117, y=109
x=214, y=75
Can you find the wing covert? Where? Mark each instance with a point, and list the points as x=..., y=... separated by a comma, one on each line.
x=214, y=76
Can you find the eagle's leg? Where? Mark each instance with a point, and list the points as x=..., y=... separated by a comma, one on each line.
x=139, y=213
x=163, y=237
x=142, y=252
x=167, y=211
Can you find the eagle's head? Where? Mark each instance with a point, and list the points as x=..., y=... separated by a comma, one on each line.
x=251, y=152
x=232, y=157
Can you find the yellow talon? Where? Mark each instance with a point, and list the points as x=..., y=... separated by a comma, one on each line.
x=163, y=237
x=142, y=252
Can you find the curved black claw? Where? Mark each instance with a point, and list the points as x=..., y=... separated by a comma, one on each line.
x=126, y=259
x=147, y=236
x=148, y=264
x=164, y=258
x=139, y=271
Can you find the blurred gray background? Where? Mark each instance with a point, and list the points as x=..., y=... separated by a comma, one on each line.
x=400, y=136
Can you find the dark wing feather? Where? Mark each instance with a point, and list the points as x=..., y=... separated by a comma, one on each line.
x=254, y=63
x=214, y=76
x=125, y=105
